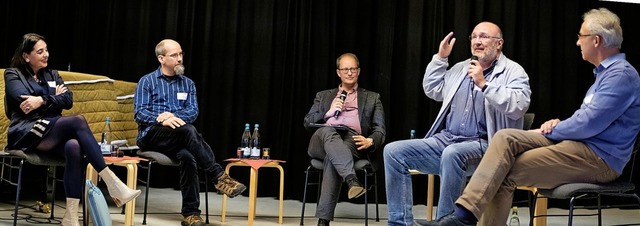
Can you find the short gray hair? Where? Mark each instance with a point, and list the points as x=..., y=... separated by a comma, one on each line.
x=605, y=24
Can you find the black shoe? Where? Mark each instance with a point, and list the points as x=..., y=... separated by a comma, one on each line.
x=355, y=188
x=323, y=222
x=449, y=220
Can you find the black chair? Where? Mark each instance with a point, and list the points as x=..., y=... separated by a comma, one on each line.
x=621, y=187
x=364, y=165
x=164, y=160
x=15, y=159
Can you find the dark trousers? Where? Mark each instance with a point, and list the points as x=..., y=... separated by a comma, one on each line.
x=188, y=146
x=337, y=150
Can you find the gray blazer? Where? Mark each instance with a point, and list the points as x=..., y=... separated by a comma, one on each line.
x=370, y=112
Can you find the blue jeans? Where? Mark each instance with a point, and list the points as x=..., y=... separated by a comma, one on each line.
x=453, y=162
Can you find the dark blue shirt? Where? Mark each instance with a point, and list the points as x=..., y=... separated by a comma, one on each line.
x=157, y=93
x=466, y=119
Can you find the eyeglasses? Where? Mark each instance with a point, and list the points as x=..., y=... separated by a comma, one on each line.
x=345, y=70
x=482, y=37
x=175, y=55
x=581, y=35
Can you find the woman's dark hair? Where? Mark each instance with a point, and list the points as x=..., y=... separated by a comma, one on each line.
x=26, y=46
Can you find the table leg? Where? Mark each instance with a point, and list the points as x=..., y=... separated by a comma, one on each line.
x=540, y=209
x=132, y=175
x=253, y=192
x=281, y=210
x=224, y=197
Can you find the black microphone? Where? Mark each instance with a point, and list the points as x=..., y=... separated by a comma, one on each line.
x=343, y=96
x=473, y=57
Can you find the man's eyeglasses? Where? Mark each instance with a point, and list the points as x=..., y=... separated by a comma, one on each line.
x=581, y=35
x=175, y=55
x=482, y=37
x=345, y=70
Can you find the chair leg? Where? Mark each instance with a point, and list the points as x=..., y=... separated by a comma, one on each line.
x=53, y=192
x=375, y=189
x=15, y=211
x=146, y=193
x=366, y=198
x=206, y=197
x=599, y=212
x=532, y=207
x=304, y=194
x=571, y=202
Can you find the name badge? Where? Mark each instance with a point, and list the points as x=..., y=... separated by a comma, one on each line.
x=52, y=84
x=182, y=96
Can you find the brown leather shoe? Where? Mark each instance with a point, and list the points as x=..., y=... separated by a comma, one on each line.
x=355, y=188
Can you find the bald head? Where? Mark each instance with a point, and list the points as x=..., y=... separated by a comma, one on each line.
x=490, y=28
x=161, y=48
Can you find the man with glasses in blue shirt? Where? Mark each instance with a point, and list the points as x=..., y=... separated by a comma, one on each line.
x=165, y=105
x=354, y=120
x=591, y=146
x=480, y=96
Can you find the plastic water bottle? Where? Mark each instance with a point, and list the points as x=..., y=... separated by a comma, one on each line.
x=515, y=220
x=246, y=140
x=255, y=142
x=412, y=134
x=105, y=142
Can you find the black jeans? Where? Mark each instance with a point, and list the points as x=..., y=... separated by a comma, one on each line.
x=188, y=146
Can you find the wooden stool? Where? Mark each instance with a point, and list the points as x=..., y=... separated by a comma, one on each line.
x=253, y=184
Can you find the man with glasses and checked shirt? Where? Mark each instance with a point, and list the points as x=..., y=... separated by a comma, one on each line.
x=354, y=123
x=480, y=96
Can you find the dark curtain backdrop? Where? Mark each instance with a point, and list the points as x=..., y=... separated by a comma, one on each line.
x=262, y=61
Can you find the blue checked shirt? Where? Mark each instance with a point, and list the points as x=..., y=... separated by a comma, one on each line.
x=157, y=93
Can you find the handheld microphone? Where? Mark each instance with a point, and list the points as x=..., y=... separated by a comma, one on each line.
x=473, y=57
x=343, y=96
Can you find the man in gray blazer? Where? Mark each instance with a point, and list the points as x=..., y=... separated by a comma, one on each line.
x=352, y=120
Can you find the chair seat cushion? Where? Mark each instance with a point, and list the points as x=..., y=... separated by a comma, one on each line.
x=566, y=191
x=39, y=158
x=161, y=158
x=358, y=165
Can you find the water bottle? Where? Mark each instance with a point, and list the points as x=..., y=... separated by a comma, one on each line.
x=246, y=140
x=515, y=221
x=255, y=143
x=412, y=134
x=105, y=142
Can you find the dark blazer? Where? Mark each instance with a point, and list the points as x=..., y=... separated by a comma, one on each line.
x=19, y=82
x=370, y=112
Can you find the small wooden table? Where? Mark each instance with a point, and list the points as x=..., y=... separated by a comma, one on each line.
x=131, y=163
x=253, y=184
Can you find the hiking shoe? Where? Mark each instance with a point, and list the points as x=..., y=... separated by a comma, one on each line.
x=229, y=186
x=193, y=220
x=355, y=188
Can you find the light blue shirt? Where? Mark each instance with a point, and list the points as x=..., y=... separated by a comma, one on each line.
x=157, y=93
x=609, y=117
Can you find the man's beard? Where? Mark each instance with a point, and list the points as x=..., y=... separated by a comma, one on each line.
x=179, y=69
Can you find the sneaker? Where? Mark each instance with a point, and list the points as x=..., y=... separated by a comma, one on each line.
x=229, y=186
x=193, y=220
x=355, y=188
